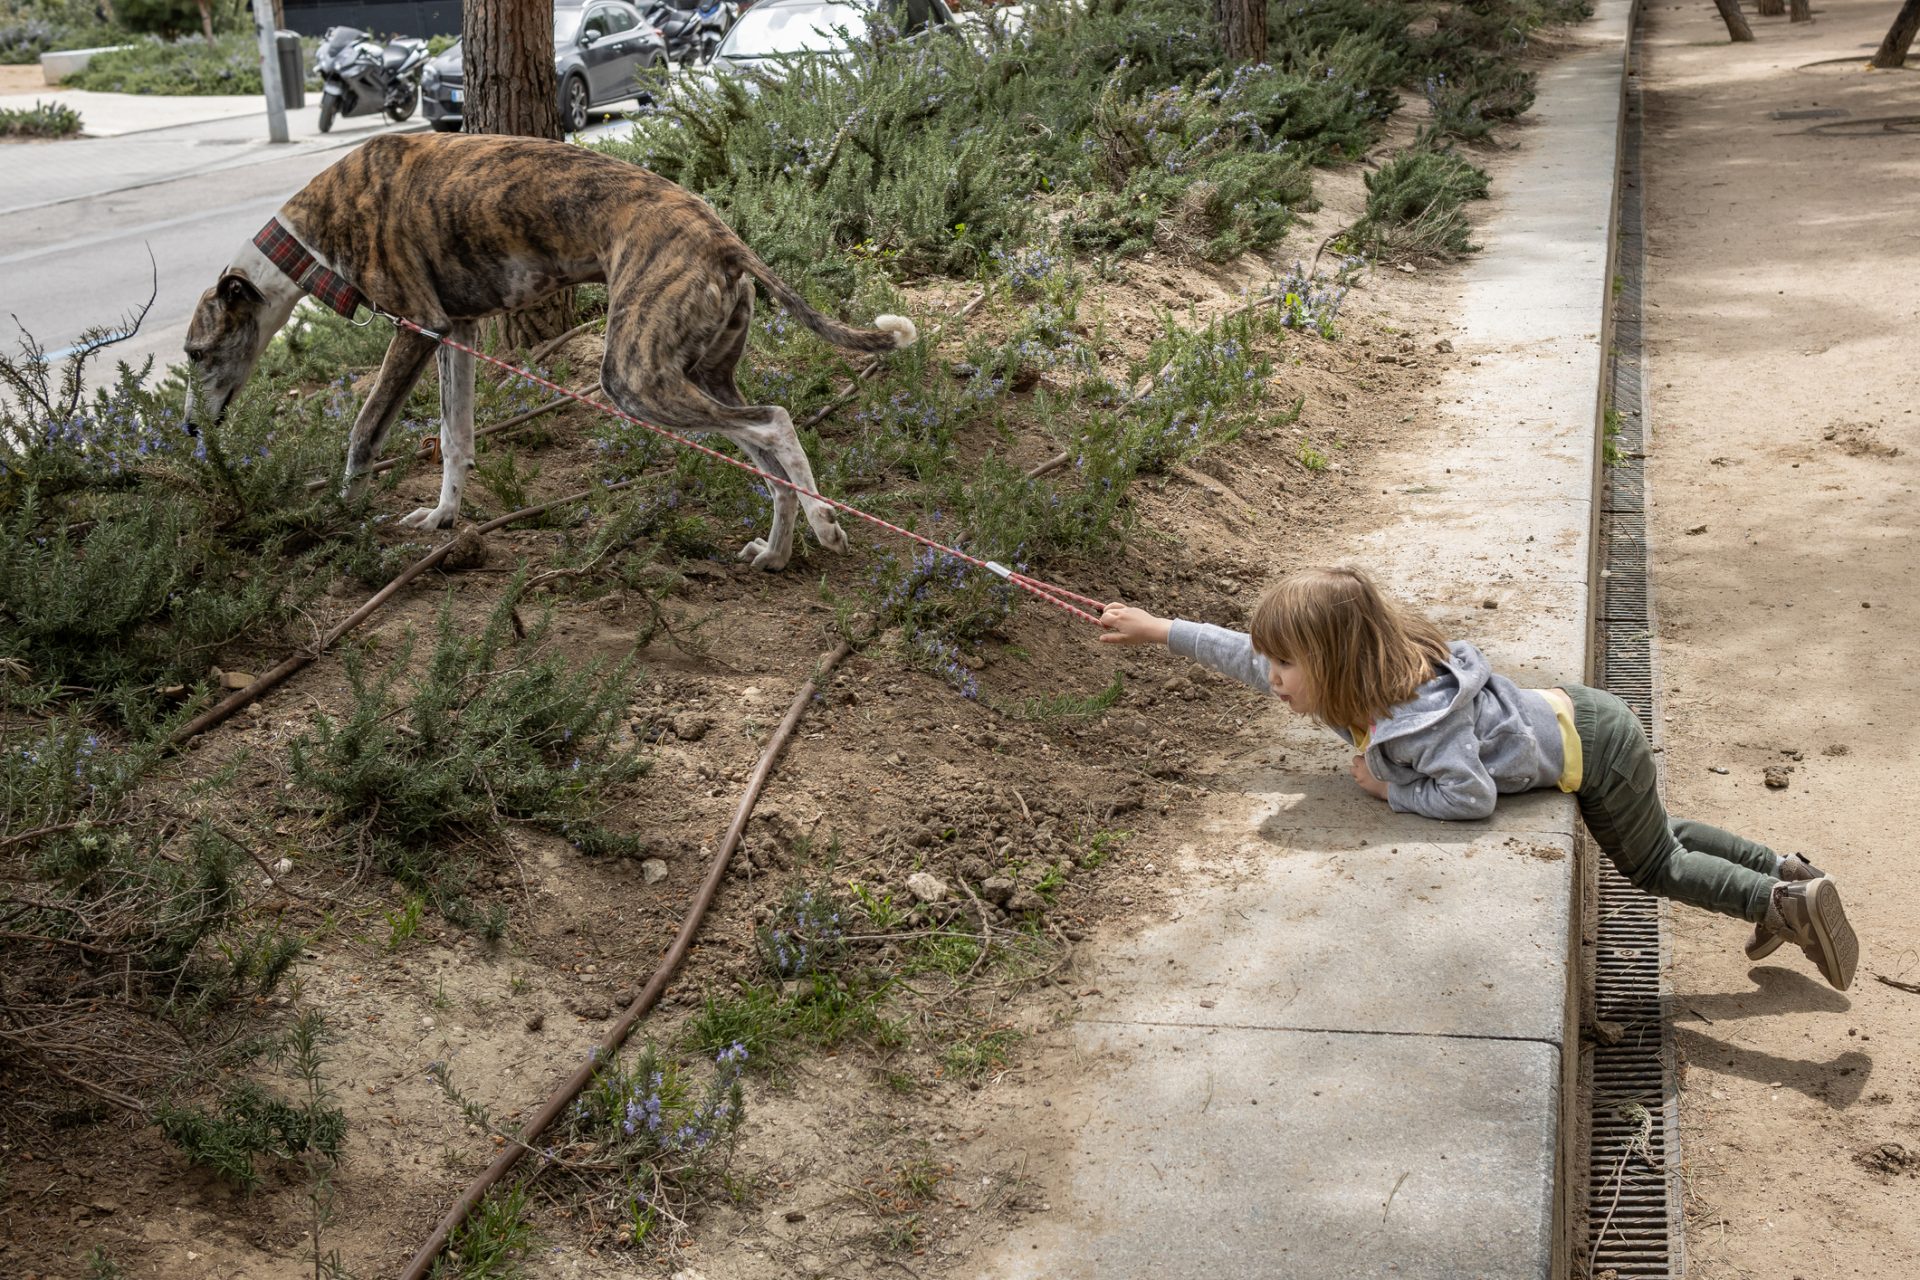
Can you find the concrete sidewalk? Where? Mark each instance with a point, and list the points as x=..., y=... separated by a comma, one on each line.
x=1347, y=1053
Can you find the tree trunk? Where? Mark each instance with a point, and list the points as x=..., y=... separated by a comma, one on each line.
x=1770, y=8
x=511, y=89
x=1893, y=50
x=1801, y=11
x=206, y=19
x=1737, y=29
x=279, y=15
x=1243, y=28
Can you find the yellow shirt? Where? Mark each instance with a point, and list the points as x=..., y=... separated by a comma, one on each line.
x=1572, y=764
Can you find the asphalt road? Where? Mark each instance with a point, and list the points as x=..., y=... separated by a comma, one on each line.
x=93, y=261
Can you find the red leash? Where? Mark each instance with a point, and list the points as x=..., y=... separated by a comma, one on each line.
x=1058, y=597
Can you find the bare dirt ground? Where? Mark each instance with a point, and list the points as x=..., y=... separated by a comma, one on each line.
x=1784, y=290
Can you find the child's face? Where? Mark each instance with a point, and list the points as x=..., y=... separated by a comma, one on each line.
x=1290, y=686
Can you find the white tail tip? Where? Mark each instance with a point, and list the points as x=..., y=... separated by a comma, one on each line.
x=904, y=334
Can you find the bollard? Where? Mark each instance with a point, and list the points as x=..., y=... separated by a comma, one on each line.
x=293, y=71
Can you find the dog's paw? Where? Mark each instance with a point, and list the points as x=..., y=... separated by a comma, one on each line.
x=428, y=518
x=763, y=556
x=831, y=535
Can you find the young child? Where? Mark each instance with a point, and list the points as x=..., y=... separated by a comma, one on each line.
x=1439, y=734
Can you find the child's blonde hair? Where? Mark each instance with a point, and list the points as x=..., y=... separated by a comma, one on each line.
x=1362, y=653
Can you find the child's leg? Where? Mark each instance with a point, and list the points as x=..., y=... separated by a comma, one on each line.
x=1620, y=804
x=1702, y=838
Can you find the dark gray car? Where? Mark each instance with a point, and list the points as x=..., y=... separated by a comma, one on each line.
x=598, y=48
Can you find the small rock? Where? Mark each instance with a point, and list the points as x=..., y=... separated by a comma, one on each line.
x=895, y=759
x=283, y=866
x=1606, y=1032
x=690, y=726
x=1775, y=776
x=1697, y=529
x=794, y=1215
x=1716, y=768
x=1444, y=346
x=653, y=871
x=975, y=868
x=1024, y=899
x=927, y=887
x=1835, y=749
x=1489, y=604
x=592, y=1012
x=997, y=889
x=536, y=1022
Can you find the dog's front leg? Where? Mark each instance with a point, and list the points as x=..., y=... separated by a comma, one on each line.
x=405, y=361
x=456, y=436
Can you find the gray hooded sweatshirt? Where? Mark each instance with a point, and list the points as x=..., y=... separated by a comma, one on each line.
x=1466, y=736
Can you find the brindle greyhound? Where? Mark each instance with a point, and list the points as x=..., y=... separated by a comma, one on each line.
x=445, y=230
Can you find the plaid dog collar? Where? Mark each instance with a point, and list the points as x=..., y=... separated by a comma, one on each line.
x=301, y=267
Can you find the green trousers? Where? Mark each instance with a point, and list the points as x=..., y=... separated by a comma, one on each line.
x=1689, y=862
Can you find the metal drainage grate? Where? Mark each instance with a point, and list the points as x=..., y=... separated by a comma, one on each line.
x=1632, y=1201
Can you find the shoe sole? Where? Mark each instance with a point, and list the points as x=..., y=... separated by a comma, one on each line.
x=1839, y=950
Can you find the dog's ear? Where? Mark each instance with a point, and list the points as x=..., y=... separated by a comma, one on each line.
x=236, y=288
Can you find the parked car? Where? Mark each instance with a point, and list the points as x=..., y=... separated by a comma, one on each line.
x=598, y=48
x=775, y=31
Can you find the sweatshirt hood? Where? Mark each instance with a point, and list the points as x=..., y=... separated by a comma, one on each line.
x=1457, y=682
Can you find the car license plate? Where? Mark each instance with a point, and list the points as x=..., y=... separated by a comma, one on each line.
x=453, y=95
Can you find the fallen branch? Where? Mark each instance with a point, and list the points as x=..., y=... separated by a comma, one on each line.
x=278, y=675
x=1896, y=984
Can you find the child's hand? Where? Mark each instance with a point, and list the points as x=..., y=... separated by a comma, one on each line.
x=1127, y=625
x=1368, y=783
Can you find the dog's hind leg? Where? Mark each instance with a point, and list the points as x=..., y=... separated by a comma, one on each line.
x=456, y=434
x=713, y=374
x=405, y=361
x=680, y=405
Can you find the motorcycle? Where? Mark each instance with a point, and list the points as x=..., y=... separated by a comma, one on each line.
x=359, y=77
x=716, y=17
x=692, y=34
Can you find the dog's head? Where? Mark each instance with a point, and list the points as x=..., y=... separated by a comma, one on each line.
x=229, y=332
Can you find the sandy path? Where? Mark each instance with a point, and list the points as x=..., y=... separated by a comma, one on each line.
x=1784, y=316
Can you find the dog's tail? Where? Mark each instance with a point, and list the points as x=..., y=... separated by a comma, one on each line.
x=888, y=332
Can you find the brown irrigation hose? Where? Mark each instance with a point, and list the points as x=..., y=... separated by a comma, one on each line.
x=221, y=711
x=617, y=1036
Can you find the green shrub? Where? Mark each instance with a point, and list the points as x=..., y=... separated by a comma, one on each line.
x=251, y=1124
x=230, y=65
x=41, y=120
x=1415, y=205
x=29, y=28
x=132, y=551
x=496, y=727
x=926, y=155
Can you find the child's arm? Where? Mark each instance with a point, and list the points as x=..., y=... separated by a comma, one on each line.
x=1229, y=652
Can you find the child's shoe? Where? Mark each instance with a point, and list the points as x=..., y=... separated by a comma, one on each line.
x=1763, y=941
x=1809, y=914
